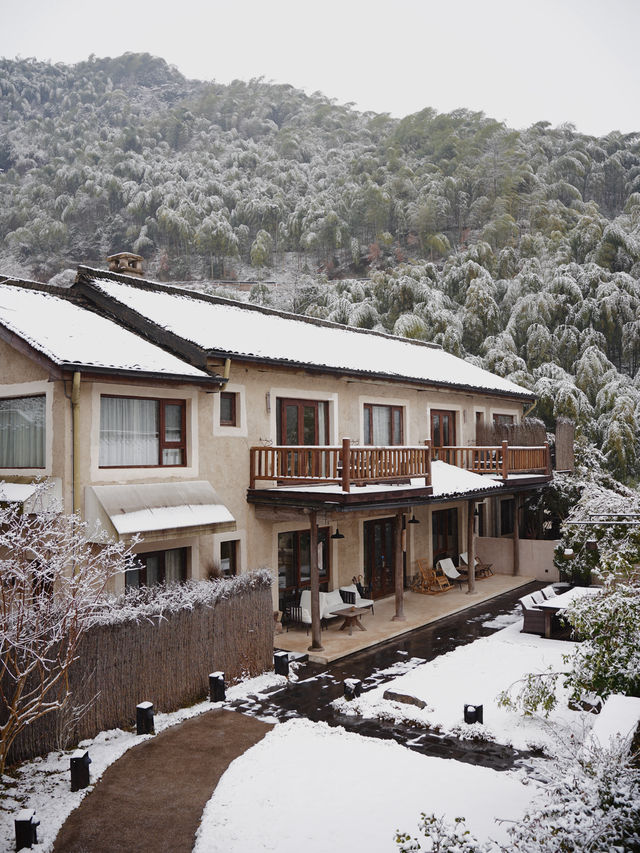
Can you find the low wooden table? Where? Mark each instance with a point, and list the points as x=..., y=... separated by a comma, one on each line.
x=351, y=616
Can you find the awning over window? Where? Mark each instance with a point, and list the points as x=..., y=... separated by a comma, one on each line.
x=158, y=508
x=46, y=495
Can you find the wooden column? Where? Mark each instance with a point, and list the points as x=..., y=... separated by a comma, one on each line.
x=516, y=535
x=316, y=638
x=471, y=549
x=398, y=572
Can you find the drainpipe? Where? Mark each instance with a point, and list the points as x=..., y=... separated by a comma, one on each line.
x=75, y=435
x=227, y=369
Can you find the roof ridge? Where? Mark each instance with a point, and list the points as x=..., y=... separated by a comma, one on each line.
x=146, y=284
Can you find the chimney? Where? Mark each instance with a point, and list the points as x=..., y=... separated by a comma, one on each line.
x=125, y=262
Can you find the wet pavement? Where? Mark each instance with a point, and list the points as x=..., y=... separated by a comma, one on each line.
x=319, y=684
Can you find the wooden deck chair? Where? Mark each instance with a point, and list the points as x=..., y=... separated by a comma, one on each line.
x=429, y=581
x=449, y=570
x=483, y=570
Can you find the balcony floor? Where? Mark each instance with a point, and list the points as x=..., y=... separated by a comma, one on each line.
x=419, y=610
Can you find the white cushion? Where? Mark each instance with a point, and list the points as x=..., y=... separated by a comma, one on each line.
x=305, y=600
x=332, y=601
x=306, y=616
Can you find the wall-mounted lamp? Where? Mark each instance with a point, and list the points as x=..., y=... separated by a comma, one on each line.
x=413, y=520
x=337, y=534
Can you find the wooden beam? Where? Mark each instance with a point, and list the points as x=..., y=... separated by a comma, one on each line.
x=398, y=569
x=316, y=640
x=516, y=535
x=471, y=549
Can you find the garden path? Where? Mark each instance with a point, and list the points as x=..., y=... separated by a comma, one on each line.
x=151, y=799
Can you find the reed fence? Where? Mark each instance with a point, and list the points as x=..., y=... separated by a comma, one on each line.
x=164, y=659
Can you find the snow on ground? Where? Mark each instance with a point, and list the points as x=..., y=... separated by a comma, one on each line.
x=475, y=674
x=44, y=784
x=307, y=786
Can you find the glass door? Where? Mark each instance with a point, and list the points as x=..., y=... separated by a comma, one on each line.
x=379, y=551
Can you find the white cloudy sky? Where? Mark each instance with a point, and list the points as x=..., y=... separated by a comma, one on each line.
x=519, y=61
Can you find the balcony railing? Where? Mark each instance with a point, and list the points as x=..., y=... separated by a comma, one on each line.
x=345, y=466
x=357, y=466
x=501, y=460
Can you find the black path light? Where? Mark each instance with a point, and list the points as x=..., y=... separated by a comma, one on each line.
x=281, y=663
x=217, y=690
x=473, y=714
x=26, y=828
x=144, y=718
x=79, y=767
x=352, y=688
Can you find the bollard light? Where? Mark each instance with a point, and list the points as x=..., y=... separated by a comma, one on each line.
x=281, y=663
x=26, y=828
x=217, y=690
x=144, y=718
x=79, y=767
x=352, y=688
x=568, y=553
x=592, y=544
x=473, y=714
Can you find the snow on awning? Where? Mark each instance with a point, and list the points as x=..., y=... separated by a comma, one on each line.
x=33, y=496
x=449, y=480
x=152, y=508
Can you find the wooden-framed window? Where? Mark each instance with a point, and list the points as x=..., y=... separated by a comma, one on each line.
x=294, y=558
x=142, y=432
x=156, y=567
x=228, y=408
x=229, y=557
x=383, y=425
x=22, y=432
x=503, y=420
x=302, y=422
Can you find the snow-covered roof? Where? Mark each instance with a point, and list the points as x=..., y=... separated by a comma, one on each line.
x=237, y=329
x=71, y=335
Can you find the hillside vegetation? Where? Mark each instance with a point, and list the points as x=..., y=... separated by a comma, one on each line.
x=518, y=249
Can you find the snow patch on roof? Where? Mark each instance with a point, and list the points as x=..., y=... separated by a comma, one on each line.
x=69, y=334
x=448, y=480
x=239, y=330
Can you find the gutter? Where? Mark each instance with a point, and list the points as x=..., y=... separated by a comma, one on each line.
x=75, y=436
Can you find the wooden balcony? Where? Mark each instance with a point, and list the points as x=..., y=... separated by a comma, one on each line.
x=345, y=466
x=348, y=466
x=501, y=461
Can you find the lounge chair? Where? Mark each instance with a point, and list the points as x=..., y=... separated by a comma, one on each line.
x=446, y=567
x=483, y=570
x=429, y=581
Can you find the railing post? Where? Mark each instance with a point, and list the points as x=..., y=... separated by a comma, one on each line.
x=252, y=472
x=547, y=459
x=346, y=464
x=505, y=460
x=427, y=479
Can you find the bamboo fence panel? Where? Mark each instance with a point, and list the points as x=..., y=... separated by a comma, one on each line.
x=165, y=661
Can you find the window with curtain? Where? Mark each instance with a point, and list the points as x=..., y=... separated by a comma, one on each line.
x=382, y=425
x=158, y=567
x=22, y=432
x=138, y=431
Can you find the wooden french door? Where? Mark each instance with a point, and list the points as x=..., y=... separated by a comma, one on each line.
x=443, y=428
x=303, y=422
x=444, y=525
x=379, y=552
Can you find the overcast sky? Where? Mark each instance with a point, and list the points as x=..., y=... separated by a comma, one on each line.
x=519, y=61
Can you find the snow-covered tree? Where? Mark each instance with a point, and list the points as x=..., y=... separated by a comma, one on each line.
x=52, y=586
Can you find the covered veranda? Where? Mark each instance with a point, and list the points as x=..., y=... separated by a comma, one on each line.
x=419, y=610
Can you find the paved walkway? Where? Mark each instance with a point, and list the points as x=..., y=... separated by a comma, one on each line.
x=151, y=799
